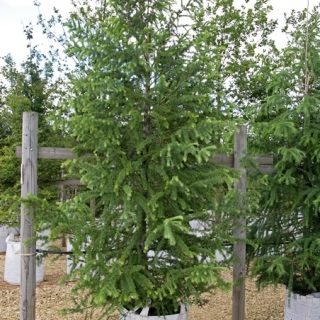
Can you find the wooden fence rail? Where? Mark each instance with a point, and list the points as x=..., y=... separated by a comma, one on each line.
x=265, y=163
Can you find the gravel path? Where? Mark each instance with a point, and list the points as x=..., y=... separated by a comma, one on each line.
x=51, y=297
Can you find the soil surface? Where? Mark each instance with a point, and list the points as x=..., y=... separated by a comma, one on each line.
x=51, y=296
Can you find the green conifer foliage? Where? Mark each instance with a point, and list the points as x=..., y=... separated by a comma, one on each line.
x=287, y=230
x=143, y=106
x=149, y=109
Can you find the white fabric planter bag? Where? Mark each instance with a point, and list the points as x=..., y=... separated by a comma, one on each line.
x=12, y=262
x=299, y=307
x=3, y=237
x=183, y=315
x=14, y=230
x=4, y=232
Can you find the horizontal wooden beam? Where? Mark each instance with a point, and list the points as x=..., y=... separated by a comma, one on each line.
x=72, y=182
x=228, y=160
x=267, y=169
x=50, y=153
x=265, y=162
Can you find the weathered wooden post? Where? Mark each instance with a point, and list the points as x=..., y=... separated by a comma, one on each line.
x=239, y=232
x=28, y=185
x=93, y=207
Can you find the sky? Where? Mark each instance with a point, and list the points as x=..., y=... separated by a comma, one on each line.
x=14, y=14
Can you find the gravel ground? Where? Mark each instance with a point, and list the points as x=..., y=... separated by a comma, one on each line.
x=51, y=297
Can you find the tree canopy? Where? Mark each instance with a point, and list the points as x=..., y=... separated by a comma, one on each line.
x=29, y=88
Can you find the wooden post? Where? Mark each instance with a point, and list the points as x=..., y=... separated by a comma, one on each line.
x=93, y=207
x=28, y=185
x=239, y=232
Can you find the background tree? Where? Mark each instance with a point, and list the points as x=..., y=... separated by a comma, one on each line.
x=240, y=49
x=287, y=228
x=33, y=87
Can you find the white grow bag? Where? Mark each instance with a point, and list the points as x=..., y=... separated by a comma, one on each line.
x=130, y=315
x=298, y=307
x=4, y=232
x=14, y=230
x=12, y=263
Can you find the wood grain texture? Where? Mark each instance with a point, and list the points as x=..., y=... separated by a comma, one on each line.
x=51, y=153
x=239, y=232
x=28, y=186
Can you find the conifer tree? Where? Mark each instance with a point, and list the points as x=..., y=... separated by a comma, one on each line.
x=143, y=106
x=287, y=229
x=150, y=105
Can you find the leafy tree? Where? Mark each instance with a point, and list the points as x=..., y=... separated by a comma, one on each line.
x=287, y=124
x=240, y=49
x=31, y=88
